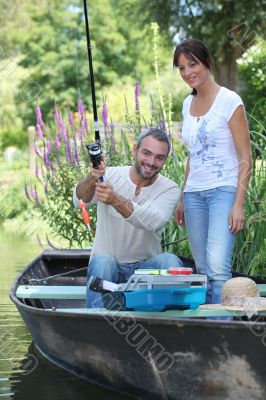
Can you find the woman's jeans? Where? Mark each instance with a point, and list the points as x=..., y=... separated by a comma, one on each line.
x=106, y=267
x=207, y=221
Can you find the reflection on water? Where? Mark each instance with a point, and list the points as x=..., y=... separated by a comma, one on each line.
x=24, y=373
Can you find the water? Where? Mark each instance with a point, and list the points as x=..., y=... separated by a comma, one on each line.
x=24, y=373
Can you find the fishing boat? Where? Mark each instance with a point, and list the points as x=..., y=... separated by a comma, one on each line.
x=173, y=354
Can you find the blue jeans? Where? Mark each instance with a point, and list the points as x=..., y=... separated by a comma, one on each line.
x=106, y=266
x=207, y=221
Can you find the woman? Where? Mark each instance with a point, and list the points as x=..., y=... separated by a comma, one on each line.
x=216, y=131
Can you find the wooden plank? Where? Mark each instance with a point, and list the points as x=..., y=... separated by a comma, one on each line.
x=68, y=292
x=51, y=292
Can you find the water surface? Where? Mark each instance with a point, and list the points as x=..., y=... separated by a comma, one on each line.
x=24, y=373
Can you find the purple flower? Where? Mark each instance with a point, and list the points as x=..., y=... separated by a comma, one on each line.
x=68, y=151
x=62, y=130
x=36, y=170
x=39, y=116
x=32, y=192
x=81, y=109
x=48, y=148
x=137, y=94
x=37, y=200
x=57, y=115
x=163, y=125
x=105, y=114
x=81, y=133
x=46, y=159
x=70, y=119
x=56, y=143
x=39, y=132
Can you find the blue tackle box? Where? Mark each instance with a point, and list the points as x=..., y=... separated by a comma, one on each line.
x=165, y=299
x=155, y=291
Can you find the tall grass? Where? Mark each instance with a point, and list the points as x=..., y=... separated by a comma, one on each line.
x=250, y=249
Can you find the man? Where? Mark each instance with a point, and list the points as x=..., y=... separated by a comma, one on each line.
x=133, y=205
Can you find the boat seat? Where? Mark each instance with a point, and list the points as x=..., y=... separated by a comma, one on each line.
x=67, y=292
x=51, y=292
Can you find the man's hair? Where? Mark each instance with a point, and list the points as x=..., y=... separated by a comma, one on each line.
x=156, y=134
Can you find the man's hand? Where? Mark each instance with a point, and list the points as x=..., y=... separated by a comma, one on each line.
x=86, y=188
x=96, y=173
x=106, y=194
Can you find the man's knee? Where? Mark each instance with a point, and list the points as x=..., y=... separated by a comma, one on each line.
x=169, y=260
x=103, y=266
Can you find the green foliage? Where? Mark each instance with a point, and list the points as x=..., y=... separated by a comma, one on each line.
x=12, y=200
x=252, y=73
x=228, y=27
x=250, y=251
x=13, y=137
x=54, y=53
x=59, y=211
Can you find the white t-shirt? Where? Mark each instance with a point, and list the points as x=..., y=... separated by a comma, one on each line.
x=213, y=158
x=137, y=237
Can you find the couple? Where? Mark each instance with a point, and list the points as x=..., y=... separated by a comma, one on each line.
x=134, y=203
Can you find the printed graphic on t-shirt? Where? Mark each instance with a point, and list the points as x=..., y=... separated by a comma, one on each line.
x=204, y=144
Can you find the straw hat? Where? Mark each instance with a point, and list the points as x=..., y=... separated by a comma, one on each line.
x=240, y=294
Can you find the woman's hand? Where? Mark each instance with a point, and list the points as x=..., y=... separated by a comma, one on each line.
x=236, y=219
x=179, y=214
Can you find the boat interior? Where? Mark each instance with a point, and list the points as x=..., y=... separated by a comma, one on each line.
x=60, y=282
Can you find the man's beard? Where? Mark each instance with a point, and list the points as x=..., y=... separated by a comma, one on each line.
x=146, y=175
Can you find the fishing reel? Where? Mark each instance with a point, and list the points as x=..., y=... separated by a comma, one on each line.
x=95, y=153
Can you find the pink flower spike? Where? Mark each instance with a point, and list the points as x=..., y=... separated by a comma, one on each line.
x=36, y=170
x=56, y=114
x=37, y=200
x=70, y=119
x=39, y=132
x=81, y=109
x=62, y=130
x=39, y=116
x=105, y=114
x=48, y=148
x=137, y=94
x=56, y=143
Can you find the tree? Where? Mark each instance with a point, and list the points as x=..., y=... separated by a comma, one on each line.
x=228, y=27
x=54, y=52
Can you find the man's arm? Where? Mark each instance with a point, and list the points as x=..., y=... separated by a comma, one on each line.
x=85, y=189
x=105, y=193
x=150, y=215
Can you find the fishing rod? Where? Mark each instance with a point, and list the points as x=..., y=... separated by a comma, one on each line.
x=94, y=148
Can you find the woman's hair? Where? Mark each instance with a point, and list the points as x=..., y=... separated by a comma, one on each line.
x=193, y=50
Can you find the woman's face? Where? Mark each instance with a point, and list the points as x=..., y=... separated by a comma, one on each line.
x=194, y=73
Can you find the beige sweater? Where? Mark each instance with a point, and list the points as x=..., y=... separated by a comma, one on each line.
x=138, y=237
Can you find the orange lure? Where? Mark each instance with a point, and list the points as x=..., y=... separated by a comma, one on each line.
x=85, y=215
